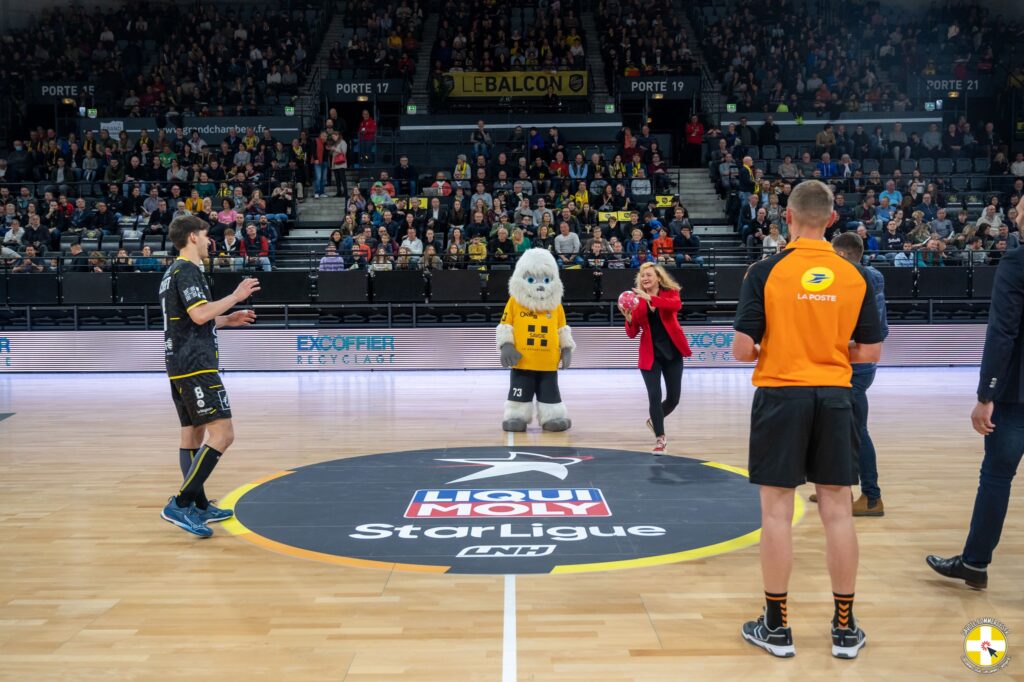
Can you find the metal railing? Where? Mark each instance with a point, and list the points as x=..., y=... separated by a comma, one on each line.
x=424, y=315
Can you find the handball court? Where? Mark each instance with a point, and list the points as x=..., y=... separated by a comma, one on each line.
x=97, y=587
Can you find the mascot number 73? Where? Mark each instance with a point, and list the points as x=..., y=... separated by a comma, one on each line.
x=533, y=340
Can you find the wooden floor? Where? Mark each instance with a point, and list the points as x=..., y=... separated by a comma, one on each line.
x=94, y=586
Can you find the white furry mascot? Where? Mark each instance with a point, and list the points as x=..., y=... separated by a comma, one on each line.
x=532, y=339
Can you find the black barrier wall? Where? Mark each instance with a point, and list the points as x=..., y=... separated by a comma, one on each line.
x=721, y=283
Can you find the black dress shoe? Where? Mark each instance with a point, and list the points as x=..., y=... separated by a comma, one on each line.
x=953, y=567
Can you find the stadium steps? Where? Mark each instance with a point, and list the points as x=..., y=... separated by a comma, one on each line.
x=321, y=213
x=697, y=193
x=421, y=79
x=707, y=214
x=308, y=102
x=599, y=95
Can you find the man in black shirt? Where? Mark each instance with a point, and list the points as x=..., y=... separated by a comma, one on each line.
x=892, y=240
x=102, y=219
x=159, y=220
x=190, y=340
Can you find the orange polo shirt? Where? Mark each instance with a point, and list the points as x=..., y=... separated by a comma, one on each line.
x=804, y=306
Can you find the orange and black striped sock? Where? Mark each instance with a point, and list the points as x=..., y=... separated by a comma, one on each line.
x=775, y=610
x=843, y=617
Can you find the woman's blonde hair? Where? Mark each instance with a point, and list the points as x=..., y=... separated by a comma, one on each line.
x=665, y=280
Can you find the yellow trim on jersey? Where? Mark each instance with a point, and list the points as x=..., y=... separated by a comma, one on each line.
x=175, y=318
x=192, y=374
x=216, y=386
x=195, y=304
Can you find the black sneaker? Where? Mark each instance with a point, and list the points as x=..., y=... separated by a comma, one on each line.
x=777, y=642
x=847, y=642
x=954, y=567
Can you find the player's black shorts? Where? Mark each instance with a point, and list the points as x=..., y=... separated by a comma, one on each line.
x=527, y=383
x=803, y=433
x=200, y=399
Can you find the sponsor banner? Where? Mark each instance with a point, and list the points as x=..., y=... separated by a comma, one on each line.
x=52, y=91
x=516, y=83
x=422, y=349
x=352, y=90
x=211, y=128
x=621, y=216
x=539, y=502
x=942, y=86
x=663, y=87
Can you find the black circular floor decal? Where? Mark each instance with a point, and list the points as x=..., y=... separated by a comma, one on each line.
x=502, y=510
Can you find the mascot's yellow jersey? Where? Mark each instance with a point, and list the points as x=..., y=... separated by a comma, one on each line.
x=536, y=335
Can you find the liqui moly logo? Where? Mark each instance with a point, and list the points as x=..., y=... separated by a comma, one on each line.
x=493, y=503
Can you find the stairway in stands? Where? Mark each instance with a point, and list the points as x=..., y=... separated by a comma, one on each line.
x=421, y=79
x=599, y=94
x=308, y=104
x=707, y=213
x=317, y=218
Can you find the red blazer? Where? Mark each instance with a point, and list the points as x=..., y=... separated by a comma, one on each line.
x=668, y=305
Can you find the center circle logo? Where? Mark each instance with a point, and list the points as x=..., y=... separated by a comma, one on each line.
x=501, y=510
x=817, y=279
x=985, y=647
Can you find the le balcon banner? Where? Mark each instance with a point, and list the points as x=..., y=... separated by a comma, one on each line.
x=487, y=84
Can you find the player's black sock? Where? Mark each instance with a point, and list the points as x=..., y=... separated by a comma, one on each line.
x=843, y=615
x=775, y=610
x=185, y=457
x=201, y=468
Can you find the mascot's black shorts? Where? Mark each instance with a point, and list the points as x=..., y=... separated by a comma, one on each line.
x=527, y=383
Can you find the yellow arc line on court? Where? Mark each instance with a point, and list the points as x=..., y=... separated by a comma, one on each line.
x=732, y=545
x=237, y=528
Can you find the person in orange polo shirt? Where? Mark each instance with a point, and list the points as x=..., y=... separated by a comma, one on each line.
x=805, y=315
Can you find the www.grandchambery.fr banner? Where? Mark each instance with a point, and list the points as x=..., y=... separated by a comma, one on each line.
x=516, y=83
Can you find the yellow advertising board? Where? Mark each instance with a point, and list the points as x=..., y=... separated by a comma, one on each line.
x=479, y=84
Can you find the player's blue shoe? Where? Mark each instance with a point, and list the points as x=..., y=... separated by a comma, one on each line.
x=212, y=513
x=186, y=518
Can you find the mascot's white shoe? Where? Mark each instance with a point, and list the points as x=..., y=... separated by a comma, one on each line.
x=553, y=417
x=517, y=416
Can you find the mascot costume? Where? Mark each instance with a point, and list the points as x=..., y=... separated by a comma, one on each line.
x=533, y=339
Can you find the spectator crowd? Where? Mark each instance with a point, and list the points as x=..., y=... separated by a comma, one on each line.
x=919, y=200
x=642, y=39
x=154, y=59
x=530, y=188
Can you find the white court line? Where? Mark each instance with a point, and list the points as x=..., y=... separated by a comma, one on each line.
x=508, y=654
x=508, y=657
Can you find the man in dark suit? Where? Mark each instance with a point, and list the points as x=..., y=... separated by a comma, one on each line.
x=999, y=416
x=437, y=213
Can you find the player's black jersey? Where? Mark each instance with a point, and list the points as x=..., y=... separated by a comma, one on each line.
x=190, y=348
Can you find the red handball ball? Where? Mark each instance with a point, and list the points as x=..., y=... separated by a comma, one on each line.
x=628, y=300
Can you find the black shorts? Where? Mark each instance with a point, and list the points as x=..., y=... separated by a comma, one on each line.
x=200, y=399
x=803, y=433
x=527, y=383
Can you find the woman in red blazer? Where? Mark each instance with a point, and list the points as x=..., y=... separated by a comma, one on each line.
x=662, y=344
